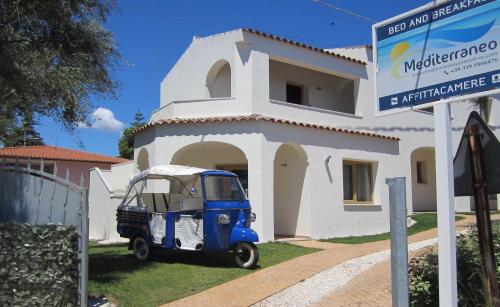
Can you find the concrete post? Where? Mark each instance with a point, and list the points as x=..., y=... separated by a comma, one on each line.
x=399, y=241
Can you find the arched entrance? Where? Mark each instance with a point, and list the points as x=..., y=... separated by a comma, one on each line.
x=291, y=215
x=423, y=179
x=214, y=155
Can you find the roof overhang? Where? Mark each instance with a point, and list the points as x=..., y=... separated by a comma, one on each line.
x=258, y=117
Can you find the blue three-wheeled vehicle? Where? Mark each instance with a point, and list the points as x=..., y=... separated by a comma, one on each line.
x=187, y=208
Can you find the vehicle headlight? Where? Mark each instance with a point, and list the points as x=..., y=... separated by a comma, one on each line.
x=253, y=217
x=223, y=219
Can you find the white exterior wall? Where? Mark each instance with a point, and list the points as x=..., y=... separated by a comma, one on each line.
x=102, y=207
x=322, y=210
x=424, y=194
x=322, y=213
x=120, y=175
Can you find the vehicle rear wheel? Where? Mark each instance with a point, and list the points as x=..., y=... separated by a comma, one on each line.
x=141, y=248
x=246, y=255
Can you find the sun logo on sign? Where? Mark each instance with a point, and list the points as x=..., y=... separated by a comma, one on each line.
x=398, y=55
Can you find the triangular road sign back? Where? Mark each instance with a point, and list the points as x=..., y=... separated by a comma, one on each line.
x=491, y=159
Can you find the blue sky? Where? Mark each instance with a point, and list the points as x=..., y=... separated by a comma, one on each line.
x=152, y=35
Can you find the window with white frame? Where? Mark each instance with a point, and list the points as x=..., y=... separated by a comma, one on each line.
x=358, y=182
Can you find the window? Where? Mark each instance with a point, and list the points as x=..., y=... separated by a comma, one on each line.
x=358, y=182
x=294, y=93
x=223, y=188
x=421, y=172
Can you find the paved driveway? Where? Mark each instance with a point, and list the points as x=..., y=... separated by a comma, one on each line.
x=255, y=287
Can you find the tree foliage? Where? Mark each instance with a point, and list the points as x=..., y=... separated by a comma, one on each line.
x=23, y=134
x=54, y=55
x=126, y=142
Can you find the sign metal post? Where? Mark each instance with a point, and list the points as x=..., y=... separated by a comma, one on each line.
x=490, y=285
x=445, y=210
x=399, y=241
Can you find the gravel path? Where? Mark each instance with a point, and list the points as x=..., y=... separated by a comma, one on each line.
x=311, y=290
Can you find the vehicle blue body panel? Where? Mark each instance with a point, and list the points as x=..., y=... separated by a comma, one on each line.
x=170, y=231
x=217, y=235
x=243, y=234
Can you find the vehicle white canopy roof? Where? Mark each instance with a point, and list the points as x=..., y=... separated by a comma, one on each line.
x=167, y=170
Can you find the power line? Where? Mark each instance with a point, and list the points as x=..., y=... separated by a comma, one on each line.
x=320, y=13
x=344, y=11
x=175, y=16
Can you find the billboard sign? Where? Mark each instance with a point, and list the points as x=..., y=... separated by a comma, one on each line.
x=437, y=53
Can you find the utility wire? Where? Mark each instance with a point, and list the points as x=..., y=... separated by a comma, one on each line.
x=179, y=17
x=175, y=16
x=344, y=11
x=320, y=13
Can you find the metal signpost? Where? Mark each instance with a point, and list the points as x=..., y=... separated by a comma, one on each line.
x=477, y=173
x=399, y=241
x=441, y=52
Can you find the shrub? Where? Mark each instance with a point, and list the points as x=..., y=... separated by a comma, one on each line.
x=423, y=272
x=38, y=265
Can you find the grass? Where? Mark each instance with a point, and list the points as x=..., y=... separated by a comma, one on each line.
x=169, y=275
x=474, y=213
x=425, y=221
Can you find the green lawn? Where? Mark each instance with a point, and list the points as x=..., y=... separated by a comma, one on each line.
x=425, y=221
x=168, y=276
x=474, y=213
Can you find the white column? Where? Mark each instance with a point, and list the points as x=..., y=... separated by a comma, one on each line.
x=445, y=207
x=261, y=188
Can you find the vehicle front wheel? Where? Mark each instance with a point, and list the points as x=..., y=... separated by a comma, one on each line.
x=246, y=255
x=141, y=248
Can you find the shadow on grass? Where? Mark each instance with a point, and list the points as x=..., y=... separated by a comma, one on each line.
x=108, y=265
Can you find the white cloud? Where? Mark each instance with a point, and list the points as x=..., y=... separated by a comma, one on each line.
x=104, y=119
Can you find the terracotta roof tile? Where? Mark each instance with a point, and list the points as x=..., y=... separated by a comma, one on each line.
x=299, y=44
x=56, y=153
x=258, y=117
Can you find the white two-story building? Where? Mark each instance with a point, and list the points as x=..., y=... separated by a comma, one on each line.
x=297, y=124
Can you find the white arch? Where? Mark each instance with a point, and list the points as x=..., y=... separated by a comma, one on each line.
x=211, y=154
x=291, y=214
x=218, y=81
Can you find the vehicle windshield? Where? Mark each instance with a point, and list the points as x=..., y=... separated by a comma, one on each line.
x=223, y=188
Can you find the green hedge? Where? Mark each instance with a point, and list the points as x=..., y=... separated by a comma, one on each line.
x=38, y=265
x=423, y=272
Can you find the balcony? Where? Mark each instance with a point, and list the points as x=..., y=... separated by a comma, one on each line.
x=299, y=87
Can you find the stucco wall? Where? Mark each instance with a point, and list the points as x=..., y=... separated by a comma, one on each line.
x=424, y=194
x=322, y=211
x=76, y=169
x=253, y=79
x=102, y=207
x=120, y=175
